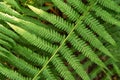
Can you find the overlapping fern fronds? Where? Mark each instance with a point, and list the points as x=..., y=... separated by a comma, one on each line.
x=80, y=43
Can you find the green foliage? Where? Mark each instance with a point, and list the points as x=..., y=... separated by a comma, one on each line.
x=77, y=40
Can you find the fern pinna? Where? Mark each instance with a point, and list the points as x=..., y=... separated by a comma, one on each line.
x=59, y=39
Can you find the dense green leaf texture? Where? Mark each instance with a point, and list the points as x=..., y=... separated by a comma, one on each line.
x=59, y=39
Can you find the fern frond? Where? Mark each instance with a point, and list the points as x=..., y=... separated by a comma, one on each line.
x=5, y=44
x=63, y=6
x=11, y=74
x=59, y=39
x=58, y=25
x=24, y=66
x=13, y=3
x=43, y=45
x=91, y=21
x=105, y=15
x=110, y=4
x=35, y=59
x=9, y=33
x=6, y=38
x=40, y=31
x=7, y=9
